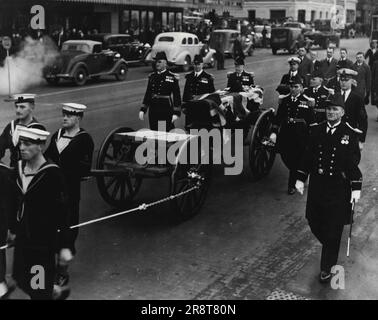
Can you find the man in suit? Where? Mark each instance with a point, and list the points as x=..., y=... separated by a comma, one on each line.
x=344, y=62
x=363, y=77
x=372, y=53
x=331, y=160
x=305, y=66
x=328, y=66
x=355, y=112
x=315, y=61
x=374, y=85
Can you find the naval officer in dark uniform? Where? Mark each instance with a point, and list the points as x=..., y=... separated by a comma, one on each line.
x=291, y=125
x=198, y=81
x=331, y=160
x=319, y=93
x=162, y=98
x=24, y=107
x=71, y=148
x=239, y=79
x=284, y=86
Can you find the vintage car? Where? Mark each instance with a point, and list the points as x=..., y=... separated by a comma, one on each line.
x=289, y=39
x=130, y=49
x=226, y=38
x=80, y=60
x=258, y=34
x=180, y=48
x=324, y=34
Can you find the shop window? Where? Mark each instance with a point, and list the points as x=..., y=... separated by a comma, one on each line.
x=171, y=21
x=135, y=22
x=164, y=19
x=125, y=21
x=151, y=19
x=178, y=21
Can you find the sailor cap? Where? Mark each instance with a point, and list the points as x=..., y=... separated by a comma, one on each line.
x=23, y=97
x=294, y=60
x=347, y=73
x=74, y=108
x=32, y=134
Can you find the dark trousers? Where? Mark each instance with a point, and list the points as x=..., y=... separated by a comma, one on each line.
x=292, y=178
x=329, y=235
x=220, y=60
x=73, y=209
x=38, y=285
x=3, y=266
x=155, y=117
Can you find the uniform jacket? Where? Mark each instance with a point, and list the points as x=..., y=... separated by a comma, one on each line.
x=75, y=160
x=236, y=82
x=165, y=84
x=202, y=84
x=41, y=210
x=284, y=86
x=374, y=83
x=372, y=57
x=7, y=136
x=328, y=69
x=334, y=84
x=320, y=95
x=332, y=164
x=363, y=79
x=291, y=122
x=345, y=64
x=355, y=114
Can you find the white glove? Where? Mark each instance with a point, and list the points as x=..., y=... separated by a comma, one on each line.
x=273, y=137
x=65, y=256
x=174, y=118
x=361, y=145
x=141, y=115
x=356, y=195
x=299, y=185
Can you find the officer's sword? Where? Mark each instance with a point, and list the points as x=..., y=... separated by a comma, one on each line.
x=350, y=229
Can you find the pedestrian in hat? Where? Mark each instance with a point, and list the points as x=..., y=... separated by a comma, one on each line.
x=162, y=98
x=71, y=148
x=40, y=224
x=239, y=79
x=291, y=126
x=319, y=93
x=24, y=107
x=331, y=161
x=355, y=111
x=284, y=86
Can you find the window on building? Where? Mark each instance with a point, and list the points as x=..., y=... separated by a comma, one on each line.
x=327, y=15
x=301, y=16
x=320, y=15
x=313, y=13
x=125, y=21
x=277, y=14
x=171, y=21
x=151, y=19
x=251, y=15
x=178, y=21
x=143, y=19
x=164, y=19
x=135, y=22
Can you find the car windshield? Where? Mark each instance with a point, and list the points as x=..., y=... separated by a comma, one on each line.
x=166, y=39
x=83, y=47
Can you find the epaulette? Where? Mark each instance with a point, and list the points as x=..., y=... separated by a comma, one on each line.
x=176, y=75
x=308, y=98
x=187, y=75
x=314, y=124
x=150, y=75
x=354, y=129
x=229, y=73
x=251, y=73
x=210, y=75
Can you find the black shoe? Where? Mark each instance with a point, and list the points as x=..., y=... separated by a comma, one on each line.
x=291, y=191
x=325, y=277
x=8, y=293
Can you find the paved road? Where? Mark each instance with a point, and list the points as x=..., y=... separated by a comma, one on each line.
x=248, y=240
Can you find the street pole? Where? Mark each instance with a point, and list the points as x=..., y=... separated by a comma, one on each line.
x=9, y=75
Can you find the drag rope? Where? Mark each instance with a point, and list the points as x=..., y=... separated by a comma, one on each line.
x=142, y=207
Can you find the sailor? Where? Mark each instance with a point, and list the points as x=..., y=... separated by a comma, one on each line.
x=239, y=80
x=40, y=224
x=331, y=161
x=24, y=107
x=71, y=148
x=319, y=93
x=284, y=86
x=162, y=98
x=291, y=123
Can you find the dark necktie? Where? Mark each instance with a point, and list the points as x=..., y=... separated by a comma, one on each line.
x=344, y=95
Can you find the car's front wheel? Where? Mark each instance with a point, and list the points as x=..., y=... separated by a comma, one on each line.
x=121, y=72
x=80, y=76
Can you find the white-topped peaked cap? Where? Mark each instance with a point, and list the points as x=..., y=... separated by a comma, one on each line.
x=347, y=72
x=32, y=134
x=74, y=107
x=294, y=59
x=23, y=97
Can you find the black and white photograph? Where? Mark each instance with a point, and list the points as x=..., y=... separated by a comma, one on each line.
x=188, y=155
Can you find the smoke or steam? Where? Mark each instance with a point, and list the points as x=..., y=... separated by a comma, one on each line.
x=26, y=67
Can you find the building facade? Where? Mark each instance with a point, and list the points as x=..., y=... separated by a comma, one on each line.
x=103, y=15
x=298, y=10
x=365, y=9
